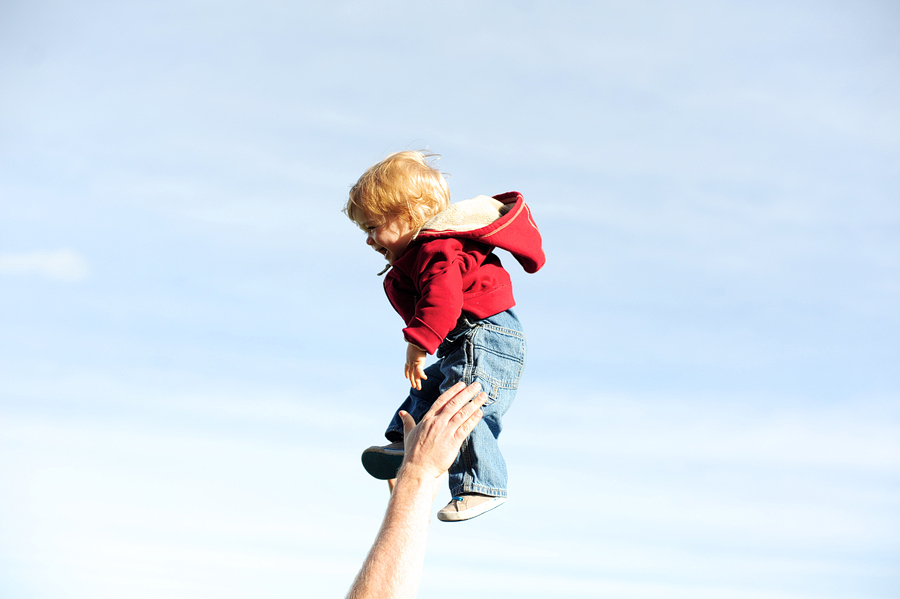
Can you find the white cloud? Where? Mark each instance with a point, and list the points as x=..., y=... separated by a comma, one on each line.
x=59, y=265
x=863, y=435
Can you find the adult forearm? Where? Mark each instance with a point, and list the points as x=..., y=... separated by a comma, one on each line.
x=393, y=568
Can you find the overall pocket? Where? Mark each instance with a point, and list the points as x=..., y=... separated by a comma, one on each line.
x=498, y=356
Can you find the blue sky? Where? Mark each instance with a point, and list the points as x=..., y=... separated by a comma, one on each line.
x=195, y=346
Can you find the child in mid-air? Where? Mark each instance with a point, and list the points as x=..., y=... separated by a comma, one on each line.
x=448, y=285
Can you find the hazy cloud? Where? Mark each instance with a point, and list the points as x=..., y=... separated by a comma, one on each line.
x=59, y=265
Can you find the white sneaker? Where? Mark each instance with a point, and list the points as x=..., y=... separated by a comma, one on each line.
x=467, y=506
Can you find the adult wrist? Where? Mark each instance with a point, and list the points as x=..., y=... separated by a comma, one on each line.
x=417, y=477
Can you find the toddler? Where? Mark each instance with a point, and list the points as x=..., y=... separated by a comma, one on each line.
x=456, y=299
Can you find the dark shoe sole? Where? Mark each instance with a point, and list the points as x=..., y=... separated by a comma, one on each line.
x=382, y=464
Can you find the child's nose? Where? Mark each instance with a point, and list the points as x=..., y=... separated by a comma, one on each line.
x=369, y=239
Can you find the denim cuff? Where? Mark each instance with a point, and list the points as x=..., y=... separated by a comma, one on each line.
x=394, y=435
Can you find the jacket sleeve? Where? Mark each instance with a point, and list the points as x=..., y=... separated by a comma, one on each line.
x=440, y=267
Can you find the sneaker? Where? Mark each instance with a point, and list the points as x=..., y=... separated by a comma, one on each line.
x=383, y=462
x=468, y=505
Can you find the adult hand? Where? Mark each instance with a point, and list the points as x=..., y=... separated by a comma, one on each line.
x=394, y=565
x=432, y=445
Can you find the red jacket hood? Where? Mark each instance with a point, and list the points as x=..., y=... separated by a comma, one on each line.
x=503, y=221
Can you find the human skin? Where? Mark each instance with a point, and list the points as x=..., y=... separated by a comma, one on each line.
x=393, y=568
x=390, y=238
x=414, y=370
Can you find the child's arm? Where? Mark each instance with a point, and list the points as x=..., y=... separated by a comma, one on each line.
x=415, y=365
x=440, y=267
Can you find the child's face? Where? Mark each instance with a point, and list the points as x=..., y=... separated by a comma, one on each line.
x=390, y=238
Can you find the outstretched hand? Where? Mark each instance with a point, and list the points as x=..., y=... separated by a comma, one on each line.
x=394, y=565
x=415, y=366
x=432, y=445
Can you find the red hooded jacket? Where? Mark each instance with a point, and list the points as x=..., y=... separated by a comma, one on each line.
x=450, y=268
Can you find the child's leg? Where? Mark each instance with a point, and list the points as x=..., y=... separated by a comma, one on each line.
x=383, y=462
x=493, y=353
x=480, y=467
x=417, y=402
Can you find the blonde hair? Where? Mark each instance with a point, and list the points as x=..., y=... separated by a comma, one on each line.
x=403, y=185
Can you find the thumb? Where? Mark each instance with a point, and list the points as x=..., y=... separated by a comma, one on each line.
x=408, y=422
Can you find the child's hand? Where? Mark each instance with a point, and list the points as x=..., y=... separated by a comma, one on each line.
x=415, y=366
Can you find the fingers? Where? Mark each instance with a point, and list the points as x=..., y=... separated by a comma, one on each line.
x=454, y=398
x=410, y=374
x=414, y=370
x=445, y=397
x=471, y=422
x=418, y=374
x=461, y=399
x=434, y=442
x=415, y=374
x=469, y=408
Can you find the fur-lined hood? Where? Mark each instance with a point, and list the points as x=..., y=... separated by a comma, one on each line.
x=503, y=221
